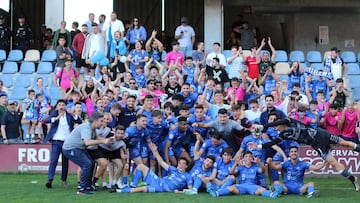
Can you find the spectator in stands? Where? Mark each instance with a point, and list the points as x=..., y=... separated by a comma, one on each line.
x=338, y=94
x=89, y=23
x=236, y=92
x=78, y=45
x=269, y=80
x=269, y=99
x=136, y=33
x=267, y=62
x=30, y=117
x=154, y=47
x=332, y=120
x=95, y=45
x=190, y=70
x=5, y=35
x=67, y=76
x=102, y=19
x=254, y=113
x=217, y=72
x=114, y=25
x=216, y=53
x=253, y=92
x=300, y=115
x=62, y=32
x=235, y=62
x=150, y=90
x=39, y=88
x=75, y=30
x=349, y=119
x=198, y=55
x=3, y=98
x=118, y=54
x=335, y=64
x=185, y=35
x=74, y=149
x=295, y=73
x=22, y=35
x=175, y=56
x=153, y=72
x=48, y=40
x=233, y=41
x=62, y=52
x=62, y=123
x=10, y=123
x=252, y=61
x=137, y=57
x=3, y=90
x=172, y=83
x=247, y=35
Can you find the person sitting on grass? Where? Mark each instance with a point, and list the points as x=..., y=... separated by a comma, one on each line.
x=247, y=174
x=177, y=179
x=294, y=178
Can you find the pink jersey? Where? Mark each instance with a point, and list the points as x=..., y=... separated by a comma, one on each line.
x=349, y=125
x=240, y=93
x=330, y=124
x=306, y=120
x=172, y=57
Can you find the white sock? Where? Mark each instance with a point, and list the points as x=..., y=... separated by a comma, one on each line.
x=104, y=184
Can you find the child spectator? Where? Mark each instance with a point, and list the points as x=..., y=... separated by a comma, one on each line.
x=30, y=117
x=43, y=109
x=332, y=120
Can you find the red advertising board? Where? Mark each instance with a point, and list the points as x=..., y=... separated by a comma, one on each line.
x=28, y=158
x=36, y=158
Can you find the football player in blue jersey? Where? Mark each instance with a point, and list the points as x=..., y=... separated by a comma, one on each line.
x=223, y=176
x=247, y=172
x=177, y=179
x=136, y=136
x=176, y=138
x=294, y=170
x=156, y=129
x=213, y=146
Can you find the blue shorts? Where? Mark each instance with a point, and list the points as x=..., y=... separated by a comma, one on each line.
x=145, y=151
x=247, y=188
x=135, y=152
x=293, y=188
x=175, y=151
x=278, y=158
x=154, y=183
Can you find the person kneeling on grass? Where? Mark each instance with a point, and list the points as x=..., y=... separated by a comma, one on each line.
x=177, y=179
x=247, y=174
x=294, y=178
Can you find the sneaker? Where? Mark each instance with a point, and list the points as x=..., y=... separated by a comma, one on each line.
x=123, y=186
x=93, y=188
x=278, y=188
x=38, y=141
x=315, y=193
x=190, y=191
x=274, y=194
x=48, y=185
x=115, y=186
x=78, y=186
x=356, y=184
x=210, y=190
x=26, y=139
x=32, y=139
x=84, y=192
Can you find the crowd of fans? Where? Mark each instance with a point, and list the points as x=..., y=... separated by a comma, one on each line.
x=173, y=107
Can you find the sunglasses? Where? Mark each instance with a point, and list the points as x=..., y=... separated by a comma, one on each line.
x=132, y=83
x=135, y=20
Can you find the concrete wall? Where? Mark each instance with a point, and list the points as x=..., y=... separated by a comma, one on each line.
x=213, y=21
x=341, y=27
x=54, y=13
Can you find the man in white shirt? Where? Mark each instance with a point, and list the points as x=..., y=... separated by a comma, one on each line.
x=62, y=123
x=113, y=26
x=185, y=35
x=216, y=54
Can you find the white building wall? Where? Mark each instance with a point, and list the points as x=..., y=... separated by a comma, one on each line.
x=54, y=13
x=213, y=23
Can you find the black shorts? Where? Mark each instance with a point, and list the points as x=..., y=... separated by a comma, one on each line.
x=80, y=62
x=110, y=154
x=95, y=153
x=323, y=141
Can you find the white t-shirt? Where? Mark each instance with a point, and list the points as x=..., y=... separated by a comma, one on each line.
x=185, y=40
x=233, y=68
x=214, y=55
x=116, y=25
